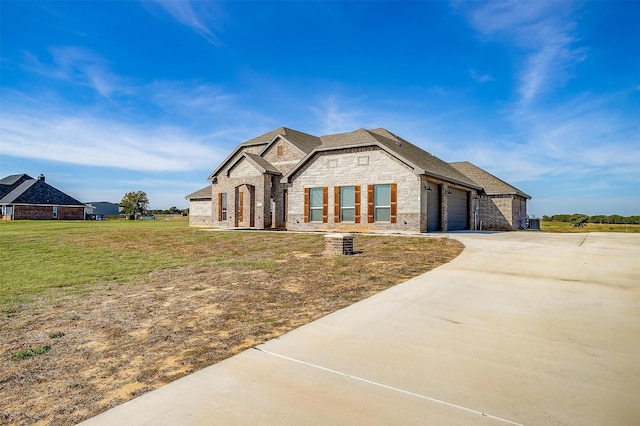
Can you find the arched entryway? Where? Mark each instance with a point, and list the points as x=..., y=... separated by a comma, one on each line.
x=245, y=197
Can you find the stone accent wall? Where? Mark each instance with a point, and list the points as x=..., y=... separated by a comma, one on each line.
x=200, y=213
x=46, y=213
x=503, y=212
x=519, y=212
x=363, y=167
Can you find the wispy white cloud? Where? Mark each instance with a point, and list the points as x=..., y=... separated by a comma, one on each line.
x=78, y=66
x=479, y=77
x=89, y=140
x=187, y=97
x=545, y=33
x=337, y=115
x=203, y=17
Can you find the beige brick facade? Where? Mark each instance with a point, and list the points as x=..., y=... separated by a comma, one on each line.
x=267, y=183
x=356, y=167
x=502, y=212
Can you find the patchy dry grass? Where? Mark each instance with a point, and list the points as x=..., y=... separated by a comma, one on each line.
x=212, y=295
x=567, y=227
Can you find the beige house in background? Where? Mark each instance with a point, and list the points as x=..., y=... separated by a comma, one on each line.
x=361, y=181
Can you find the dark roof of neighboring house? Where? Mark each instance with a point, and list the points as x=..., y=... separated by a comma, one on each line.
x=205, y=192
x=491, y=184
x=23, y=189
x=10, y=182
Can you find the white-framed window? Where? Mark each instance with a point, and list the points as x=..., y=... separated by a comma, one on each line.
x=382, y=203
x=347, y=204
x=55, y=212
x=315, y=204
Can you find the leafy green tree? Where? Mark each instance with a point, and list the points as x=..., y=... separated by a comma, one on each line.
x=134, y=202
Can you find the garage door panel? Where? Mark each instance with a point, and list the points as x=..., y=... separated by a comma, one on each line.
x=457, y=210
x=433, y=209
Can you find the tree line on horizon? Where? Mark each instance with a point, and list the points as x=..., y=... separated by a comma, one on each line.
x=614, y=219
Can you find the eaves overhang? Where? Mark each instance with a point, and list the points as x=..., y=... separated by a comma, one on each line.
x=275, y=139
x=214, y=174
x=286, y=178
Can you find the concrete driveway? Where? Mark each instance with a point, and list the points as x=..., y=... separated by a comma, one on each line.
x=521, y=328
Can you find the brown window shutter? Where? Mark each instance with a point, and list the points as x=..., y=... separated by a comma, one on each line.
x=336, y=204
x=220, y=207
x=394, y=203
x=358, y=204
x=306, y=205
x=241, y=207
x=325, y=204
x=370, y=204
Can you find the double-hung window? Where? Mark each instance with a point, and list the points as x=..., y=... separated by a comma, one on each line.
x=347, y=204
x=382, y=203
x=222, y=206
x=315, y=204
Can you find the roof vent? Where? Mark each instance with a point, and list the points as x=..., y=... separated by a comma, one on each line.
x=41, y=177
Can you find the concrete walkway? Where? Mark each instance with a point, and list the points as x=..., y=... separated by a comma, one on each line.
x=521, y=328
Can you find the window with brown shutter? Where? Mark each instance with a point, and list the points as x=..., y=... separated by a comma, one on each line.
x=220, y=207
x=394, y=203
x=325, y=204
x=318, y=204
x=241, y=207
x=336, y=204
x=370, y=204
x=347, y=204
x=357, y=204
x=306, y=205
x=382, y=203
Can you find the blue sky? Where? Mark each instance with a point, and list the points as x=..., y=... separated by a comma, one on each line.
x=107, y=97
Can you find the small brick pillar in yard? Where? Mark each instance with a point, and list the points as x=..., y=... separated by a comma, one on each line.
x=338, y=243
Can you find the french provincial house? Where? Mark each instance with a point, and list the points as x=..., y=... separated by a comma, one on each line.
x=361, y=181
x=23, y=197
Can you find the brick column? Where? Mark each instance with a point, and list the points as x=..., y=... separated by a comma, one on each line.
x=338, y=243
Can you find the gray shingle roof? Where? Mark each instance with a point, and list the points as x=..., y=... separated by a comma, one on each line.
x=418, y=159
x=303, y=141
x=264, y=165
x=491, y=184
x=421, y=161
x=205, y=192
x=10, y=182
x=37, y=191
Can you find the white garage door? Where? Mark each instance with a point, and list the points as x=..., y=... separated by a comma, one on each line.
x=457, y=210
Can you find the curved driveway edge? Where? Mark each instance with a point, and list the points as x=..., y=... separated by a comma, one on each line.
x=521, y=328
